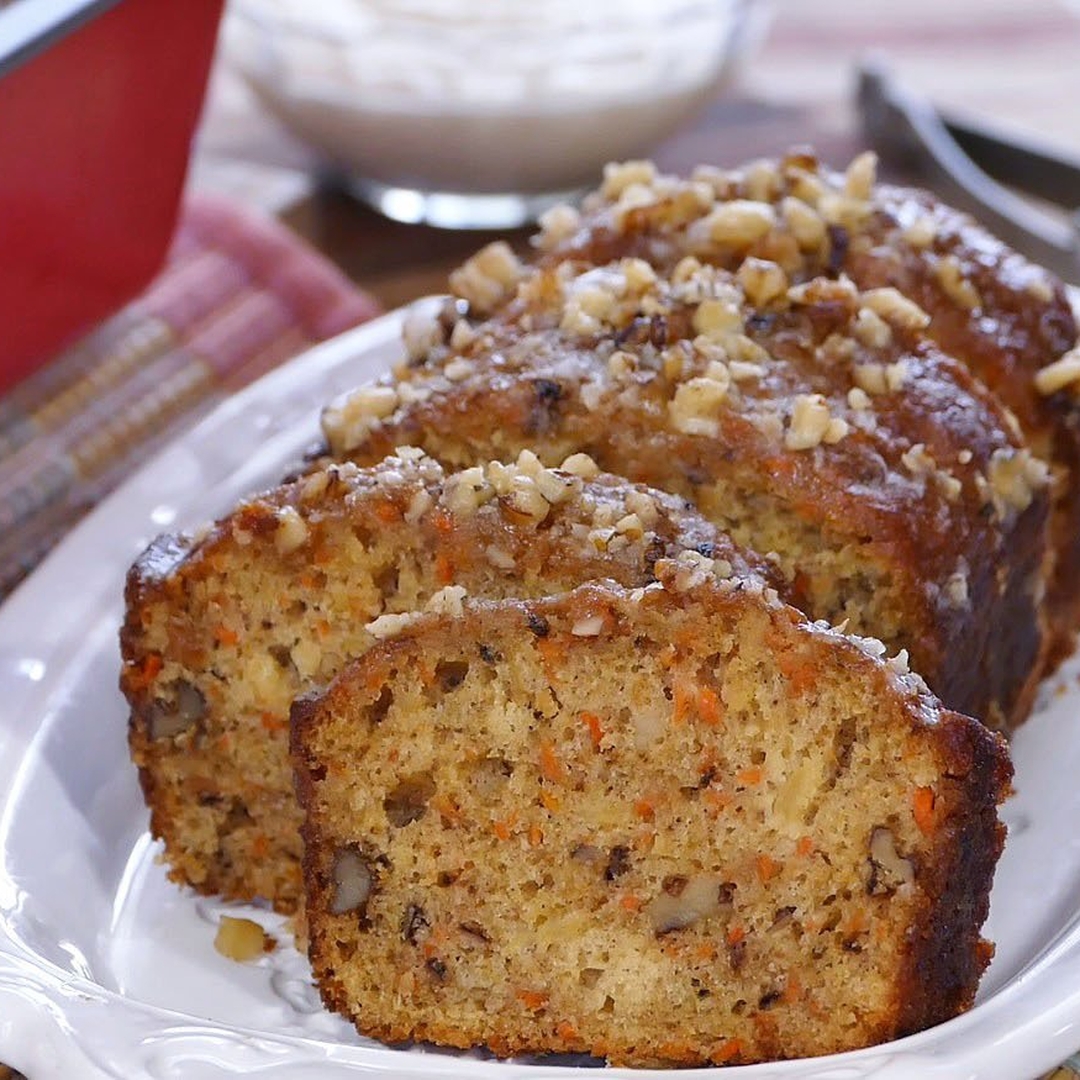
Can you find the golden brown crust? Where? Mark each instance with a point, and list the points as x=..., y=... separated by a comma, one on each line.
x=989, y=307
x=1024, y=323
x=898, y=957
x=223, y=632
x=813, y=415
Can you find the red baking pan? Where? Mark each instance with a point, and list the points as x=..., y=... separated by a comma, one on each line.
x=98, y=103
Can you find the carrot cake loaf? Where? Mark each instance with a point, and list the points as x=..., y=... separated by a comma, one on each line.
x=225, y=628
x=740, y=339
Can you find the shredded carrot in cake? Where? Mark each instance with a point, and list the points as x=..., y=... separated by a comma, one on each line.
x=596, y=732
x=923, y=807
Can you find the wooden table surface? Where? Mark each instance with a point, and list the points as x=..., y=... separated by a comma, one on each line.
x=1015, y=62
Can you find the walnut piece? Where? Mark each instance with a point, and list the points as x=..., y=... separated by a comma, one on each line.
x=241, y=939
x=888, y=869
x=353, y=879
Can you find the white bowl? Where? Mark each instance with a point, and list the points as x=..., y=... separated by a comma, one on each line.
x=522, y=100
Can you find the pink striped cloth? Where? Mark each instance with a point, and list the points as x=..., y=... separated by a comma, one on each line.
x=239, y=294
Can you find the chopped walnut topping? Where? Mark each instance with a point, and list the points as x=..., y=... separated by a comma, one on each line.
x=420, y=503
x=621, y=364
x=523, y=504
x=743, y=370
x=1014, y=476
x=837, y=349
x=956, y=589
x=806, y=185
x=421, y=332
x=447, y=601
x=715, y=317
x=387, y=626
x=900, y=663
x=689, y=569
x=638, y=275
x=917, y=460
x=921, y=233
x=488, y=278
x=462, y=336
x=345, y=471
x=633, y=197
x=686, y=270
x=529, y=464
x=556, y=487
x=871, y=329
x=956, y=287
x=1060, y=374
x=467, y=491
x=409, y=393
x=838, y=428
x=762, y=281
x=893, y=305
x=591, y=393
x=618, y=176
x=630, y=526
x=770, y=424
x=350, y=417
x=526, y=490
x=291, y=532
x=950, y=486
x=721, y=182
x=312, y=486
x=761, y=180
x=675, y=361
x=240, y=535
x=843, y=210
x=587, y=310
x=602, y=296
x=804, y=223
x=643, y=506
x=738, y=223
x=812, y=424
x=823, y=290
x=557, y=224
x=601, y=538
x=693, y=409
x=870, y=378
x=858, y=399
x=581, y=465
x=458, y=369
x=861, y=176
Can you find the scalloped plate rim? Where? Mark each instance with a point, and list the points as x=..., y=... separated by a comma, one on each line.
x=1039, y=1007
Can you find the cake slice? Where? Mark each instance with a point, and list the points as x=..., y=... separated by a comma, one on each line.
x=704, y=336
x=677, y=825
x=225, y=628
x=1009, y=321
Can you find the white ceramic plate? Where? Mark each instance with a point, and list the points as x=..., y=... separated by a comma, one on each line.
x=106, y=970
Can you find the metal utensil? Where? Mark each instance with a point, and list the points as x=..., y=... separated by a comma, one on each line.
x=967, y=165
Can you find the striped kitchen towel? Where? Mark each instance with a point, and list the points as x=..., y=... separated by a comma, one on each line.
x=238, y=295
